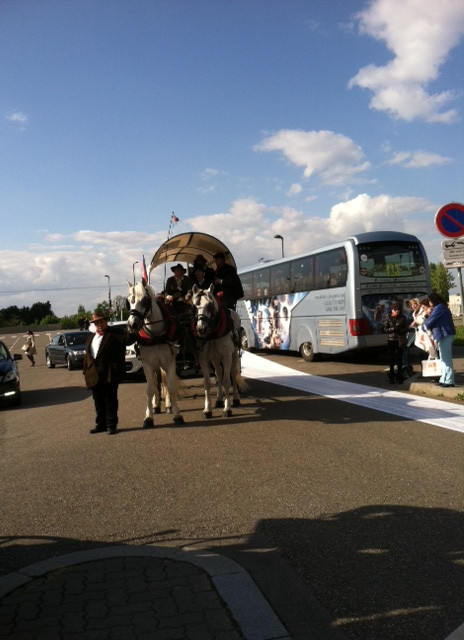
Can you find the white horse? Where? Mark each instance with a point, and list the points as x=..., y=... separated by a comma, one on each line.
x=214, y=326
x=158, y=350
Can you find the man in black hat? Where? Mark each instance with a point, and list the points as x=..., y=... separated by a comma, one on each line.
x=201, y=274
x=178, y=288
x=227, y=281
x=104, y=368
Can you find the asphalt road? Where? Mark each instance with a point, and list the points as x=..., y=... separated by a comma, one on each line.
x=366, y=508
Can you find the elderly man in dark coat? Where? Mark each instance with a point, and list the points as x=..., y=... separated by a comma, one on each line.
x=104, y=368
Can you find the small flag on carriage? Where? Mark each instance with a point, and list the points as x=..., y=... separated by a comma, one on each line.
x=145, y=273
x=174, y=218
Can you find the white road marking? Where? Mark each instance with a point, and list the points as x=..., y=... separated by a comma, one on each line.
x=446, y=415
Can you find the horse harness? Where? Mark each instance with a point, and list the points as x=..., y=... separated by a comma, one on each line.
x=167, y=333
x=217, y=327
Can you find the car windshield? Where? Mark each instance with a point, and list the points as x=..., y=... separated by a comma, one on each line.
x=3, y=352
x=79, y=338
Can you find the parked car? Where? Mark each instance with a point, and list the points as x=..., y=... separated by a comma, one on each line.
x=10, y=390
x=67, y=349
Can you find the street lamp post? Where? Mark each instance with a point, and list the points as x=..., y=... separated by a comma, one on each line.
x=109, y=292
x=279, y=237
x=133, y=269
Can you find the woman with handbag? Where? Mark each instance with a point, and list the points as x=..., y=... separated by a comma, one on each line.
x=29, y=347
x=440, y=322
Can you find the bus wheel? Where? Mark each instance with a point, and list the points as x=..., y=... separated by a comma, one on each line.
x=307, y=352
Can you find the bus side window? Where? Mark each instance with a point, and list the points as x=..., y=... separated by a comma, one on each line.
x=262, y=282
x=301, y=274
x=247, y=284
x=338, y=269
x=280, y=279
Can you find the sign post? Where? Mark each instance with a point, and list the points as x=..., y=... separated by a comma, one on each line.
x=449, y=221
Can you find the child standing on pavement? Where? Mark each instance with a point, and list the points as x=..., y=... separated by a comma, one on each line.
x=396, y=328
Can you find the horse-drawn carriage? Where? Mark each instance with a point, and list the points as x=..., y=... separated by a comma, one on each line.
x=185, y=248
x=205, y=337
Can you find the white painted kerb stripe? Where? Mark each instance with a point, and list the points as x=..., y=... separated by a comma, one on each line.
x=436, y=412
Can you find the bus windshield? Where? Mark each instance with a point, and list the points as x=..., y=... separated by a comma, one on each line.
x=390, y=260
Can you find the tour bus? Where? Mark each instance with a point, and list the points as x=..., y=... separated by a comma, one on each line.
x=332, y=299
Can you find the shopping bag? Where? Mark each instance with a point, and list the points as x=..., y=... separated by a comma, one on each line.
x=425, y=341
x=431, y=368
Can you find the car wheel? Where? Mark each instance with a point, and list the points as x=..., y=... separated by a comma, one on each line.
x=50, y=364
x=69, y=363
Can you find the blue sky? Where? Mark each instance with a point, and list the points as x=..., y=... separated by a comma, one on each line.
x=311, y=119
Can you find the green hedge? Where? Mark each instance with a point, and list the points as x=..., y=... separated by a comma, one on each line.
x=459, y=340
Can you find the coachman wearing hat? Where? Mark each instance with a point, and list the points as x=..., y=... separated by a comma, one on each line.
x=227, y=281
x=178, y=288
x=104, y=368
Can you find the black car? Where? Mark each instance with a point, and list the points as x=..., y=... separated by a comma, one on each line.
x=10, y=391
x=68, y=349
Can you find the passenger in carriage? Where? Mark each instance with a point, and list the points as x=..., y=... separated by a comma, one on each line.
x=199, y=278
x=178, y=288
x=201, y=275
x=227, y=281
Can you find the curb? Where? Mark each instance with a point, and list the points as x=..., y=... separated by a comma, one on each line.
x=253, y=614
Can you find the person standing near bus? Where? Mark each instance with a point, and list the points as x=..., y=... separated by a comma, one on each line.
x=227, y=281
x=396, y=328
x=440, y=322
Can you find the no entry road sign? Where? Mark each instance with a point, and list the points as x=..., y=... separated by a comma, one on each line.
x=449, y=220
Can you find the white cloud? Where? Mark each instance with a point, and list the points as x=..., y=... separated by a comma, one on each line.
x=333, y=157
x=418, y=159
x=208, y=173
x=70, y=270
x=207, y=176
x=295, y=189
x=366, y=213
x=208, y=188
x=420, y=34
x=18, y=117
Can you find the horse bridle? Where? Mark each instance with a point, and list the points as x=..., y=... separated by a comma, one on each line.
x=146, y=303
x=207, y=320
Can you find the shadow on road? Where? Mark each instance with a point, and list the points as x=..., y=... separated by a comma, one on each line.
x=59, y=395
x=384, y=571
x=387, y=572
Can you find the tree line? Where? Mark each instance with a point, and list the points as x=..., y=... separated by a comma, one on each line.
x=41, y=313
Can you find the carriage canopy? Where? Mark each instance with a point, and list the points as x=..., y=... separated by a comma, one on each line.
x=186, y=246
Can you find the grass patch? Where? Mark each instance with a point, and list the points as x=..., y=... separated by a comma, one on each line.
x=459, y=339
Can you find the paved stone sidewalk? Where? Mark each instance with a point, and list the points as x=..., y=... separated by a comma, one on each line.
x=135, y=593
